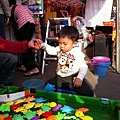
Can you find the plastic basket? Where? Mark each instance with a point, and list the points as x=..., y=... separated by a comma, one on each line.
x=108, y=23
x=34, y=83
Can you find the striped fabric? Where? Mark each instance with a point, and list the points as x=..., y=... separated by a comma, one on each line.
x=23, y=15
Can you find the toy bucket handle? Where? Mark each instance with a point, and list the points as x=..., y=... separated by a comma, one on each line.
x=93, y=63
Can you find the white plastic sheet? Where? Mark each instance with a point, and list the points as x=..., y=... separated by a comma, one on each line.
x=97, y=11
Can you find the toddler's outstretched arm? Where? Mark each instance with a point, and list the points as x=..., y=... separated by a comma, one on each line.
x=51, y=50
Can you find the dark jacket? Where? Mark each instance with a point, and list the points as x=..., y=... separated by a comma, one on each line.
x=13, y=47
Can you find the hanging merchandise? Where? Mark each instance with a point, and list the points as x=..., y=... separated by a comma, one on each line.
x=36, y=6
x=85, y=35
x=79, y=23
x=65, y=8
x=37, y=35
x=37, y=27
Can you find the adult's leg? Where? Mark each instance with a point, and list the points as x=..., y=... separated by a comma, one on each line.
x=53, y=81
x=59, y=82
x=2, y=26
x=8, y=64
x=84, y=90
x=26, y=33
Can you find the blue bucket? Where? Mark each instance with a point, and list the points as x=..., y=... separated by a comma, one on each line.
x=34, y=83
x=100, y=68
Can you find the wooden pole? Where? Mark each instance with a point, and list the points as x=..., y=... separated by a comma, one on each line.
x=118, y=37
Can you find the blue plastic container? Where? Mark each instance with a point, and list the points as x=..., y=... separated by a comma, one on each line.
x=34, y=83
x=64, y=22
x=70, y=91
x=100, y=68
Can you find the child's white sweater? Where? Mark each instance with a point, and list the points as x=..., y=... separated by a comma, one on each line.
x=69, y=63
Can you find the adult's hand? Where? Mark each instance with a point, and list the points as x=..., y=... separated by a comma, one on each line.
x=7, y=20
x=33, y=42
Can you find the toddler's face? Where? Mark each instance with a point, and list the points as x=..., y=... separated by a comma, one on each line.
x=66, y=44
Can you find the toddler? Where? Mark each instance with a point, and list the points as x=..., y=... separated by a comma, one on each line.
x=71, y=66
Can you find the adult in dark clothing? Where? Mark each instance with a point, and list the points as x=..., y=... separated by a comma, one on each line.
x=26, y=28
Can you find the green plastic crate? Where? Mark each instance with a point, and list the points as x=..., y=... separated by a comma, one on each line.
x=99, y=108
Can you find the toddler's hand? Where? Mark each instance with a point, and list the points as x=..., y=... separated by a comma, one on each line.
x=38, y=44
x=77, y=82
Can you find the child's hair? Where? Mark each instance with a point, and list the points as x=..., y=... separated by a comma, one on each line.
x=69, y=31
